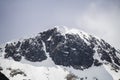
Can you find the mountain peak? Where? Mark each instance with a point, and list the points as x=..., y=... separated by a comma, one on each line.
x=64, y=47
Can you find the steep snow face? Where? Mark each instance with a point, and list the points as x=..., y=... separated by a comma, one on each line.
x=19, y=71
x=67, y=55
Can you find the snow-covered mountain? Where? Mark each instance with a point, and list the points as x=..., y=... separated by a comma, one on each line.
x=60, y=54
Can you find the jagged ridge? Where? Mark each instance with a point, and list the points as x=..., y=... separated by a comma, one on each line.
x=67, y=49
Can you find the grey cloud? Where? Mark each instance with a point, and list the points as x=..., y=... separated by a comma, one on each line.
x=19, y=18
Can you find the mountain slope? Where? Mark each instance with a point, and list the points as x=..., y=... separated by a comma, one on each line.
x=68, y=55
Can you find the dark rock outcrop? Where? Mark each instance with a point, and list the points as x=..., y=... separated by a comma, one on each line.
x=30, y=49
x=3, y=77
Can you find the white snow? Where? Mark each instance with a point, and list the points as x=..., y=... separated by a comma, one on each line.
x=99, y=72
x=33, y=72
x=56, y=73
x=115, y=75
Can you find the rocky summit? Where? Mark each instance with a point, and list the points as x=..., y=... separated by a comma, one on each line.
x=65, y=50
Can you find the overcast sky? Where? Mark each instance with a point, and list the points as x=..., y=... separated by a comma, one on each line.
x=19, y=18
